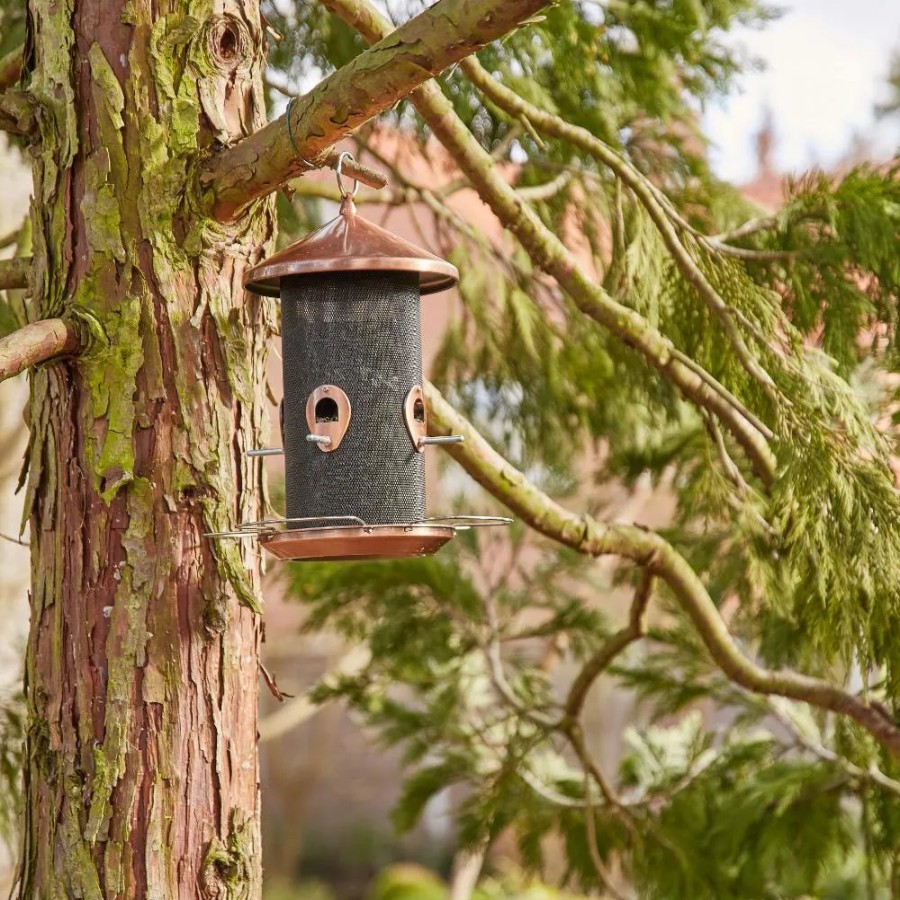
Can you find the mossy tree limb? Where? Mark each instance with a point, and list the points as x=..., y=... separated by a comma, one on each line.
x=660, y=559
x=439, y=37
x=36, y=343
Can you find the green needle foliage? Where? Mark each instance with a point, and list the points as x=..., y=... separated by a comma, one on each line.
x=791, y=315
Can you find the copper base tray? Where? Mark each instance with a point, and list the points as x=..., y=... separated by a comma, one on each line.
x=347, y=542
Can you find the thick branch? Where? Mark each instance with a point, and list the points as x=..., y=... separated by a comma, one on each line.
x=427, y=44
x=36, y=343
x=15, y=273
x=593, y=538
x=643, y=189
x=549, y=254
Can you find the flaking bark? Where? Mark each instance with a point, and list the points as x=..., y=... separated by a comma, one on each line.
x=141, y=671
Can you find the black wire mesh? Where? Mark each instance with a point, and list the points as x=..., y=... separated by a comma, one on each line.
x=360, y=331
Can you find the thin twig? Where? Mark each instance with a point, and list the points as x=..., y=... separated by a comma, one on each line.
x=493, y=656
x=873, y=774
x=604, y=657
x=590, y=825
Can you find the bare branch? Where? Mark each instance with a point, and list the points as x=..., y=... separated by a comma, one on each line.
x=648, y=549
x=15, y=273
x=302, y=709
x=427, y=44
x=549, y=253
x=36, y=343
x=604, y=657
x=648, y=195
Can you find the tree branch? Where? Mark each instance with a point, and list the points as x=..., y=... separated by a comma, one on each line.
x=549, y=253
x=15, y=273
x=302, y=709
x=648, y=549
x=17, y=114
x=11, y=238
x=872, y=774
x=604, y=657
x=36, y=343
x=427, y=44
x=11, y=68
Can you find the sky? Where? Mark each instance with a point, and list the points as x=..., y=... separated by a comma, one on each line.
x=826, y=65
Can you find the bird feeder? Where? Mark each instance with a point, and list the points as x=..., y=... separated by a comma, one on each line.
x=353, y=417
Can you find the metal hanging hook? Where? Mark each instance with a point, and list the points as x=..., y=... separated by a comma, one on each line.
x=345, y=194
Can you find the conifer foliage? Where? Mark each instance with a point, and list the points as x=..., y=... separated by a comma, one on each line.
x=630, y=319
x=787, y=506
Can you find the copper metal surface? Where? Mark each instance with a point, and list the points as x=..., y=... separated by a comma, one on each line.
x=349, y=243
x=350, y=542
x=333, y=430
x=417, y=428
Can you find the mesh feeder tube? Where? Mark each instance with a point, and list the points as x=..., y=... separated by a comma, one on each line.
x=353, y=414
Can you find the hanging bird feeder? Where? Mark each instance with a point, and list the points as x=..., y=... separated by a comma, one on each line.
x=353, y=417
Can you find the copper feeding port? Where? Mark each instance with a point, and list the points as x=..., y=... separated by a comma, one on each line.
x=327, y=417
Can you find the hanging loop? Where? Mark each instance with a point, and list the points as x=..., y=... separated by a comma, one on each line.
x=345, y=194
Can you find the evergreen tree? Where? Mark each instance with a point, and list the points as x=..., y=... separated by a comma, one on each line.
x=748, y=358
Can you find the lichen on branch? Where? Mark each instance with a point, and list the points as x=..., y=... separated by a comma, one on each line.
x=36, y=343
x=651, y=551
x=387, y=72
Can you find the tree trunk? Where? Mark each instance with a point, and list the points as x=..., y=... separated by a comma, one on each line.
x=141, y=672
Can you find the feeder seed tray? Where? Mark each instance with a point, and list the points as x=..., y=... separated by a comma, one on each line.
x=358, y=542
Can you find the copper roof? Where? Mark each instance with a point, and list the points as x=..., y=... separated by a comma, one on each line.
x=349, y=243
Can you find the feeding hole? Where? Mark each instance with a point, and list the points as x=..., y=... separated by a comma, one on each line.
x=419, y=411
x=327, y=410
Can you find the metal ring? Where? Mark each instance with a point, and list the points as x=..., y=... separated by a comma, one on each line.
x=340, y=181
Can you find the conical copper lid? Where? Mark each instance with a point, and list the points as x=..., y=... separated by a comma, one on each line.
x=350, y=244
